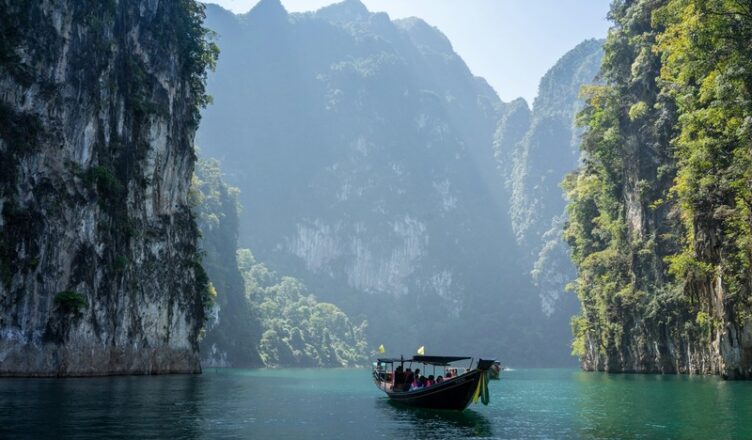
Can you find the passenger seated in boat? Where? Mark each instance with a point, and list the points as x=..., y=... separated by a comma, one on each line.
x=409, y=378
x=439, y=379
x=419, y=382
x=415, y=383
x=399, y=379
x=430, y=381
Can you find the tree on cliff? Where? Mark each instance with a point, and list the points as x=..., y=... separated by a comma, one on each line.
x=659, y=211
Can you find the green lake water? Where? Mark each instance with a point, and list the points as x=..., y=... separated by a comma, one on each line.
x=344, y=403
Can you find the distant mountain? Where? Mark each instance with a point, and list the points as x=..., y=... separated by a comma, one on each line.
x=364, y=150
x=257, y=317
x=536, y=150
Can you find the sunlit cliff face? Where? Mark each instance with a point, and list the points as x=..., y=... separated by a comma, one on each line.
x=97, y=241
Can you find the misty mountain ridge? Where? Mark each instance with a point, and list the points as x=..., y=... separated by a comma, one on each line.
x=536, y=149
x=364, y=151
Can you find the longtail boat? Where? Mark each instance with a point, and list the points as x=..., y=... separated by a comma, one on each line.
x=454, y=393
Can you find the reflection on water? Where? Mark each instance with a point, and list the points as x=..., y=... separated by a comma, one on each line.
x=661, y=406
x=435, y=424
x=95, y=408
x=344, y=403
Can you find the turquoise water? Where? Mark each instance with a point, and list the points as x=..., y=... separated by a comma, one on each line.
x=344, y=403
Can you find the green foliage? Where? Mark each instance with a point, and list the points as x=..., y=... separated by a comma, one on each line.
x=138, y=94
x=197, y=52
x=108, y=186
x=177, y=28
x=706, y=63
x=204, y=286
x=71, y=301
x=232, y=328
x=299, y=330
x=120, y=263
x=660, y=210
x=19, y=130
x=616, y=190
x=19, y=224
x=579, y=329
x=685, y=266
x=16, y=22
x=638, y=111
x=295, y=329
x=213, y=200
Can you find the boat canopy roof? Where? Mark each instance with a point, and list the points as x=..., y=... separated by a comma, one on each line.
x=439, y=360
x=390, y=360
x=430, y=360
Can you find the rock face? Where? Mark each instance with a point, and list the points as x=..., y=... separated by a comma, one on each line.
x=363, y=149
x=232, y=332
x=659, y=210
x=98, y=259
x=535, y=150
x=635, y=317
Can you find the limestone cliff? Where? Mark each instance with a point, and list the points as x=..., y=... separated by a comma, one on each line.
x=232, y=331
x=659, y=212
x=535, y=150
x=98, y=263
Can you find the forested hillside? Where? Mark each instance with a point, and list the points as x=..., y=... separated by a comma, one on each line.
x=257, y=317
x=232, y=330
x=660, y=209
x=299, y=330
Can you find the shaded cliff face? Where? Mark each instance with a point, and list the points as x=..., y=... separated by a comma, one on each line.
x=535, y=150
x=232, y=331
x=98, y=260
x=659, y=214
x=363, y=150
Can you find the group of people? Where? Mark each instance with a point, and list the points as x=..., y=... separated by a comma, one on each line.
x=408, y=380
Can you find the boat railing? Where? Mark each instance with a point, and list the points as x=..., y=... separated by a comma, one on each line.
x=384, y=369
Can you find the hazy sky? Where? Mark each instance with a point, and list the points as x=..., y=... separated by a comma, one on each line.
x=511, y=43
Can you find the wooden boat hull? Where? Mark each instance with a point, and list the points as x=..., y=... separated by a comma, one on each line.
x=453, y=394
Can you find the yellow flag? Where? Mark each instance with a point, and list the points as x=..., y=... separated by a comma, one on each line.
x=422, y=350
x=381, y=348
